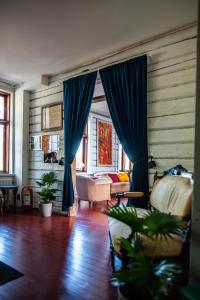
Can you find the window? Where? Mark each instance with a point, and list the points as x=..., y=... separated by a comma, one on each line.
x=124, y=162
x=81, y=154
x=4, y=131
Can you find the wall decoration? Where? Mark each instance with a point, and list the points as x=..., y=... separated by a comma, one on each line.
x=52, y=117
x=36, y=142
x=104, y=143
x=50, y=146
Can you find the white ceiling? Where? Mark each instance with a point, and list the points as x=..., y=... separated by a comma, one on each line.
x=47, y=37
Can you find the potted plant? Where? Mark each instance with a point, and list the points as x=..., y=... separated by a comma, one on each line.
x=47, y=193
x=143, y=277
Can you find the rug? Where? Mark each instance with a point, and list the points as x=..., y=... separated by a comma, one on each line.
x=7, y=273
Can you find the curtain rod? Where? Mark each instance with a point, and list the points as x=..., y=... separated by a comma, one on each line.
x=87, y=71
x=120, y=51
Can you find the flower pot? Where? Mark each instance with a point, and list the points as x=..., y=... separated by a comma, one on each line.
x=46, y=209
x=131, y=292
x=120, y=295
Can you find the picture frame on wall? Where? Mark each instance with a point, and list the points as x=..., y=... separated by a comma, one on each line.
x=52, y=117
x=104, y=143
x=36, y=142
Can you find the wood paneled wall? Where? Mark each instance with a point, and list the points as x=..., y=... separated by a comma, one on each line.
x=171, y=103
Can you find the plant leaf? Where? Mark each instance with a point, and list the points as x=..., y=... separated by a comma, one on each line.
x=160, y=224
x=127, y=215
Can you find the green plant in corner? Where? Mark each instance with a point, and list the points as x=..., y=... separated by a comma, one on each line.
x=148, y=276
x=47, y=193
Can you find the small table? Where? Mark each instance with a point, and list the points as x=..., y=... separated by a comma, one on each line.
x=5, y=189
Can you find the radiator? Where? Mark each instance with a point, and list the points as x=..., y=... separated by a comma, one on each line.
x=8, y=180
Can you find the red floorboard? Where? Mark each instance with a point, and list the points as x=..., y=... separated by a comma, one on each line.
x=61, y=258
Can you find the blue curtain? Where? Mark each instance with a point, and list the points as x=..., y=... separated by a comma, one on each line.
x=125, y=86
x=78, y=94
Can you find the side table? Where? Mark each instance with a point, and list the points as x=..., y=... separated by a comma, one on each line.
x=5, y=190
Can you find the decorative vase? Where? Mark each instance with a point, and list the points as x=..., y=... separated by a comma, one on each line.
x=46, y=209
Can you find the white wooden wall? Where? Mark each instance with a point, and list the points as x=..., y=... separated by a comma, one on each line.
x=171, y=103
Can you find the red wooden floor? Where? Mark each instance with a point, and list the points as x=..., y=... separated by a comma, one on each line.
x=61, y=257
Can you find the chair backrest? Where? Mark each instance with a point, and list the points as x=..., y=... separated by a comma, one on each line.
x=173, y=194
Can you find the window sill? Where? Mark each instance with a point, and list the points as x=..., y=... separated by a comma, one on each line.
x=6, y=175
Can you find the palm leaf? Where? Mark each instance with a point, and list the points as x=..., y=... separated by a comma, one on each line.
x=160, y=224
x=40, y=183
x=132, y=247
x=128, y=216
x=49, y=178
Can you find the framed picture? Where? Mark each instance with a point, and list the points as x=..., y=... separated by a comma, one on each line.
x=36, y=142
x=104, y=143
x=52, y=117
x=50, y=146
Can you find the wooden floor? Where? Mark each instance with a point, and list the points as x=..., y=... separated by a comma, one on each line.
x=61, y=257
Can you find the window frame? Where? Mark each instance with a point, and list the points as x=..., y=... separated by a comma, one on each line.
x=6, y=123
x=85, y=150
x=122, y=161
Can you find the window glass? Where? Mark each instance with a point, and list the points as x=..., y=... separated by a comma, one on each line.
x=120, y=166
x=4, y=132
x=123, y=160
x=1, y=146
x=79, y=157
x=126, y=162
x=82, y=152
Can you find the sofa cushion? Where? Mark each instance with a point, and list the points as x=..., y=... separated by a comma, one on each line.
x=123, y=177
x=119, y=187
x=114, y=177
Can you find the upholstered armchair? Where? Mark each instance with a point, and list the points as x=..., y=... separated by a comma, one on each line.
x=171, y=194
x=93, y=189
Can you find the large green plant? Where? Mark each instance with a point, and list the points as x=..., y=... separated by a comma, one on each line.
x=150, y=277
x=47, y=193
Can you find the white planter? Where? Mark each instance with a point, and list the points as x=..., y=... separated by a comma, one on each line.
x=46, y=209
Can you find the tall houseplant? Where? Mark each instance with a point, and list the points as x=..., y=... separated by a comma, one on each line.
x=143, y=277
x=47, y=193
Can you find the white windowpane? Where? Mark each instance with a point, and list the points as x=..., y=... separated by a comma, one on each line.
x=1, y=146
x=120, y=167
x=79, y=157
x=1, y=107
x=126, y=162
x=123, y=159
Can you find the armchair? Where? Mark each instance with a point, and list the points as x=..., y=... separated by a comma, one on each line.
x=93, y=189
x=170, y=194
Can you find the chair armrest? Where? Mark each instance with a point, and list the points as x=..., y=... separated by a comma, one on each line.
x=128, y=195
x=134, y=195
